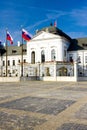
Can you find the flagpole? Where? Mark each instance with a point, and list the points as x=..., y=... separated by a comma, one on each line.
x=6, y=55
x=26, y=37
x=22, y=58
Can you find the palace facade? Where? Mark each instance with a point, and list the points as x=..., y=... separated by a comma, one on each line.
x=47, y=46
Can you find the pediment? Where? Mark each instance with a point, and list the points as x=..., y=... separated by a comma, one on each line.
x=44, y=35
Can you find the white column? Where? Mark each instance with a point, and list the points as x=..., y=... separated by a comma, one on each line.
x=55, y=70
x=75, y=71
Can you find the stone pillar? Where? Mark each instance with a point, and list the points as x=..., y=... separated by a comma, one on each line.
x=55, y=77
x=19, y=70
x=75, y=71
x=39, y=70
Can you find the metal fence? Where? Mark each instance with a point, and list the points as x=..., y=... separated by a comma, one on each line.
x=48, y=69
x=40, y=69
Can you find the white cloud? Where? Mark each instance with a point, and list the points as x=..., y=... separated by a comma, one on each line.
x=49, y=16
x=55, y=14
x=75, y=17
x=76, y=34
x=80, y=16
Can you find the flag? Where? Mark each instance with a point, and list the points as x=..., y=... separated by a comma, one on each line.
x=9, y=37
x=25, y=35
x=55, y=24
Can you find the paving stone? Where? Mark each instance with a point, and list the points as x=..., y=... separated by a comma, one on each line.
x=82, y=113
x=13, y=122
x=4, y=98
x=49, y=98
x=42, y=105
x=74, y=88
x=56, y=106
x=72, y=126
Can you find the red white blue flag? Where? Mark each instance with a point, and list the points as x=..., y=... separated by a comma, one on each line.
x=9, y=37
x=25, y=35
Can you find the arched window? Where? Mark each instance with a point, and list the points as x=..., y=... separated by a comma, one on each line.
x=33, y=57
x=53, y=55
x=42, y=56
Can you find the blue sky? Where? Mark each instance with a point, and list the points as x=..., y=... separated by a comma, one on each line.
x=71, y=16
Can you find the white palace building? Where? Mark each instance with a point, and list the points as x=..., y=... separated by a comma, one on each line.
x=51, y=55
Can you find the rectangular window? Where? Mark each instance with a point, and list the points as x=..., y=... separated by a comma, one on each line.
x=18, y=61
x=3, y=63
x=65, y=53
x=53, y=55
x=71, y=57
x=24, y=60
x=14, y=51
x=13, y=62
x=24, y=50
x=13, y=71
x=8, y=71
x=8, y=62
x=79, y=59
x=85, y=59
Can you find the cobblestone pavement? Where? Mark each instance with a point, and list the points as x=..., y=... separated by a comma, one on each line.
x=37, y=105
